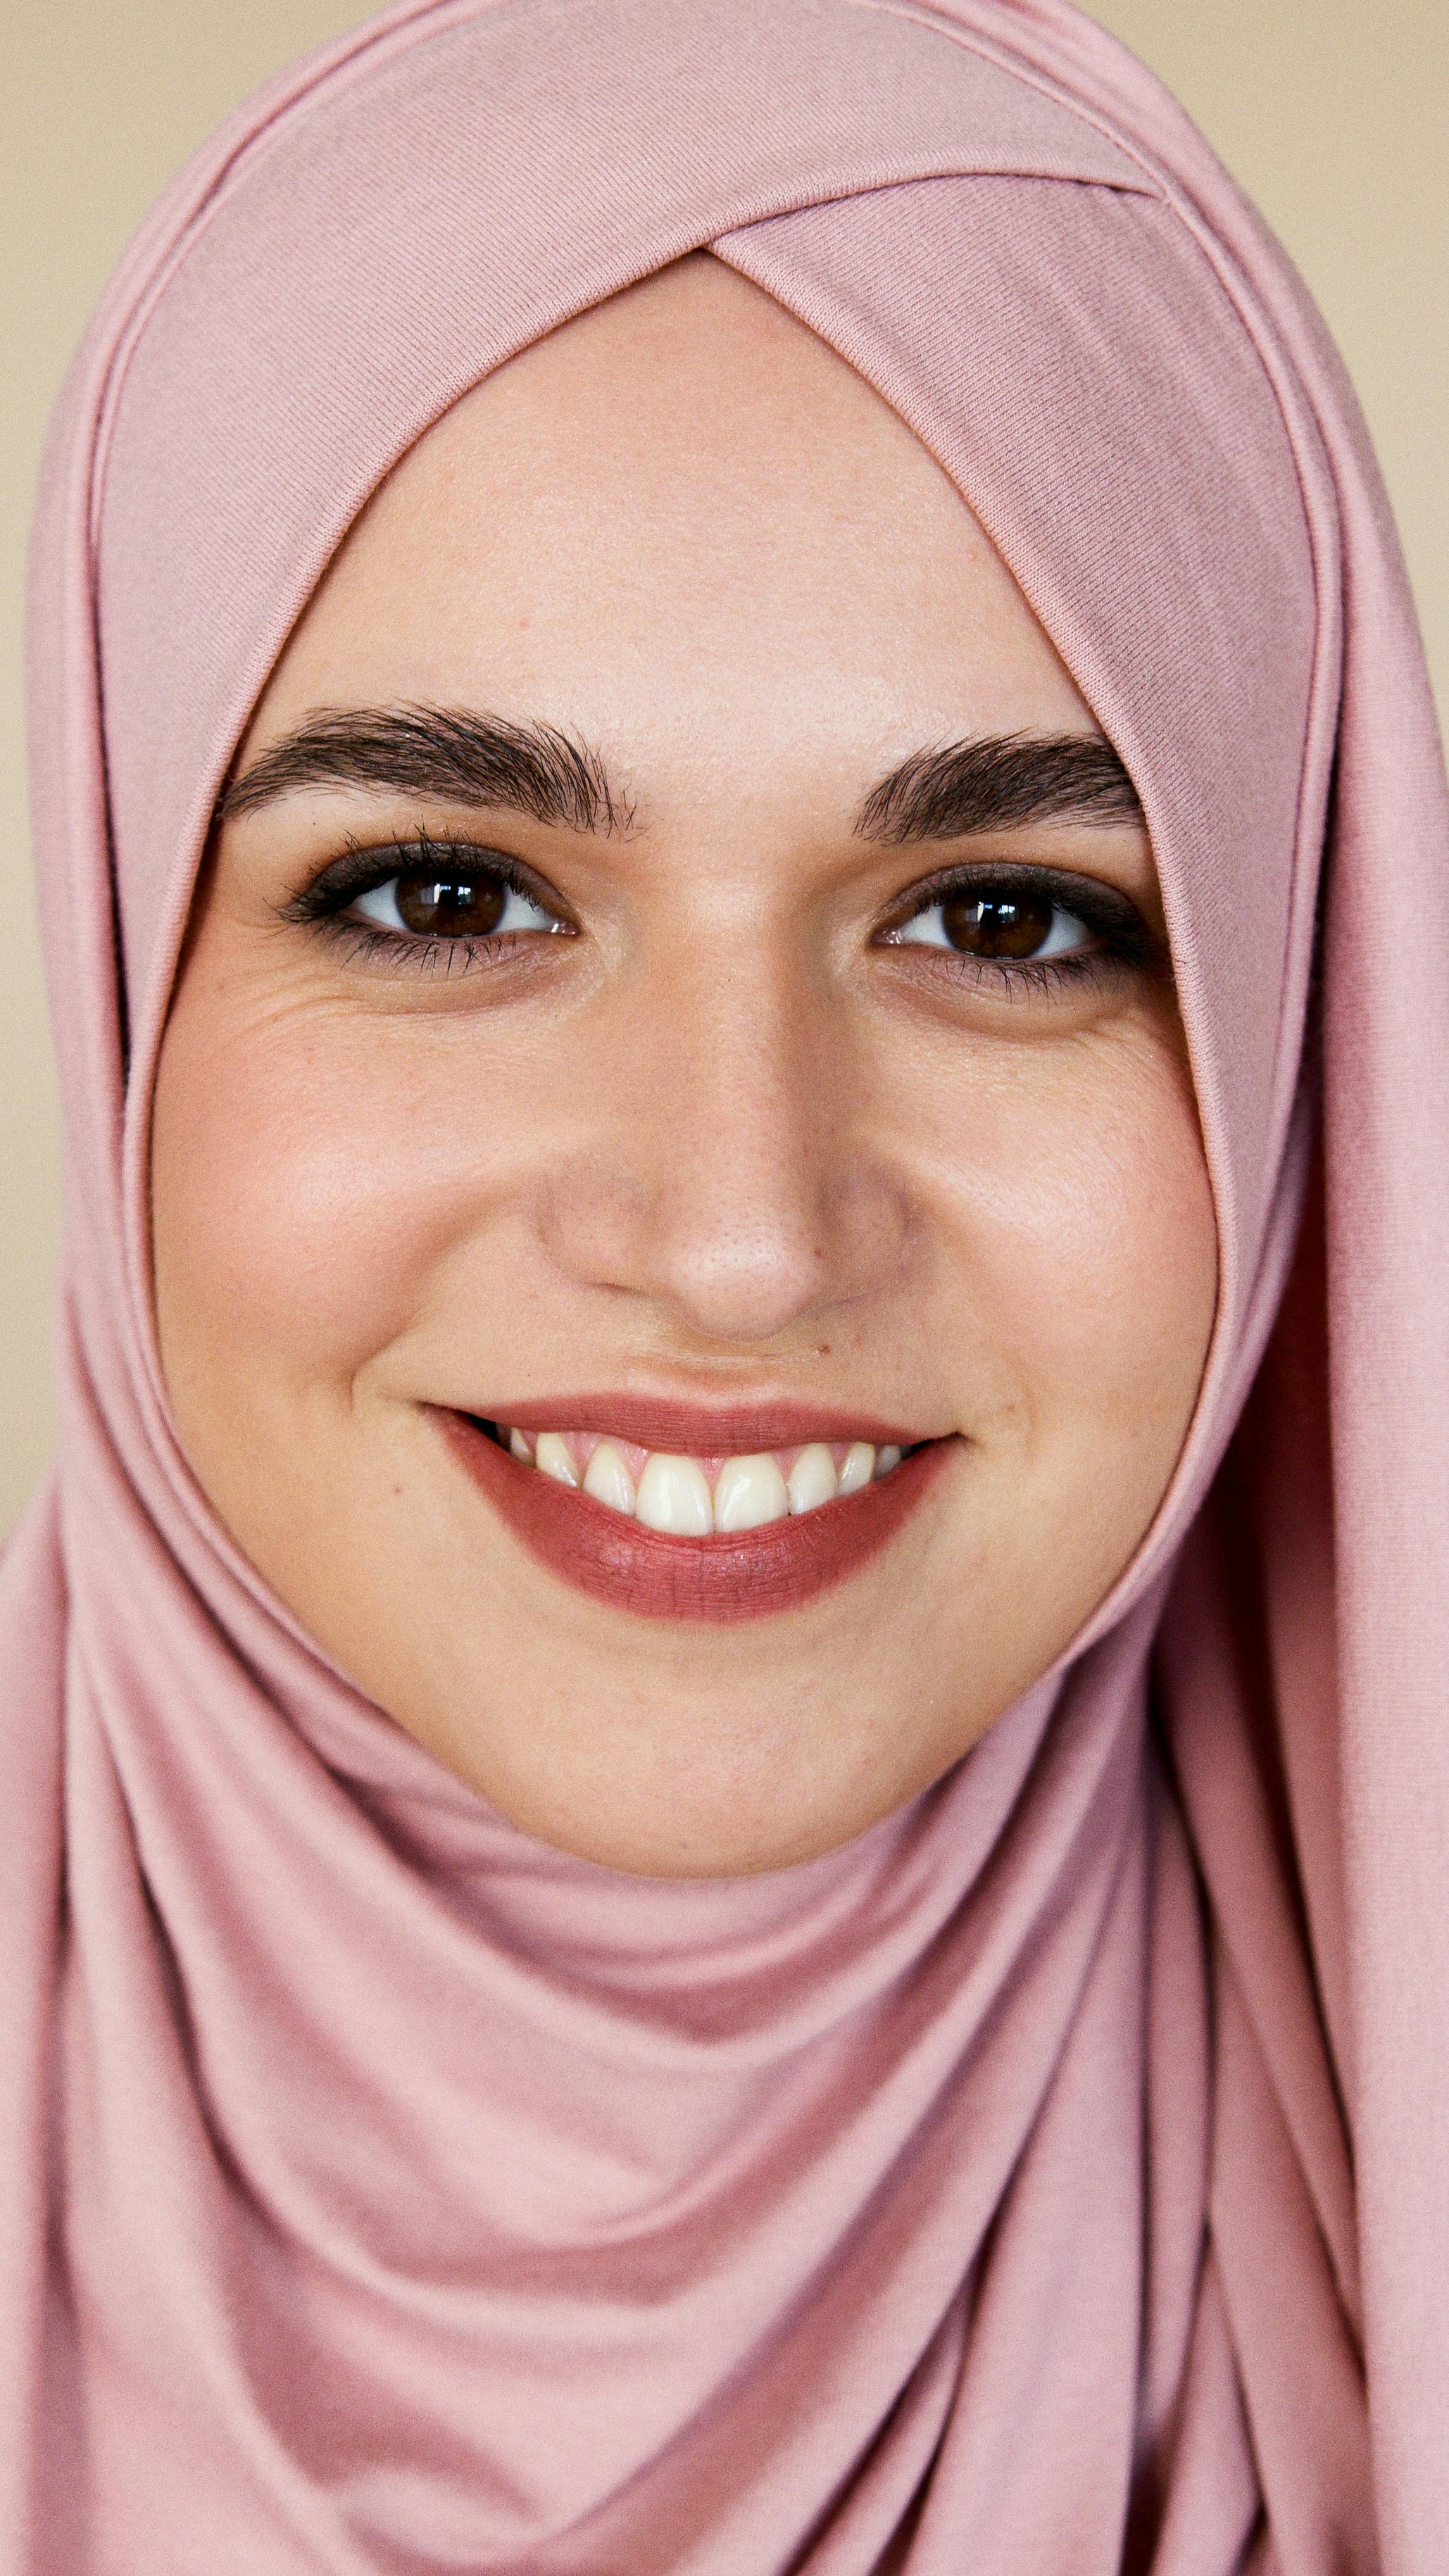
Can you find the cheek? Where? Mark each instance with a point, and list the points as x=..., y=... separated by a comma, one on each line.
x=320, y=1176
x=309, y=1176
x=1087, y=1233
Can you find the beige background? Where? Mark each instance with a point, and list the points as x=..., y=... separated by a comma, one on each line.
x=1331, y=111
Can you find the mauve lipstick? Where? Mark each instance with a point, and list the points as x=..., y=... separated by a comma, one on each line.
x=741, y=1574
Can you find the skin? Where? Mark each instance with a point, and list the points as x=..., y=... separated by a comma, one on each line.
x=722, y=1143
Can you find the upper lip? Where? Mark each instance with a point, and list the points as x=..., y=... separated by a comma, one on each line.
x=666, y=1424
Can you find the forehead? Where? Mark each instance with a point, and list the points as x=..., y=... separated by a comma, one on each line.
x=679, y=522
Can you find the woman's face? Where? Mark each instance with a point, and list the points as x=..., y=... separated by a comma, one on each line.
x=680, y=979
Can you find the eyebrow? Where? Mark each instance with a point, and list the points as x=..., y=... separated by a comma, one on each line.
x=998, y=782
x=993, y=782
x=471, y=759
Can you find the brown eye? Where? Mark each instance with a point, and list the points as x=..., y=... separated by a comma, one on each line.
x=451, y=907
x=462, y=902
x=1003, y=924
x=998, y=925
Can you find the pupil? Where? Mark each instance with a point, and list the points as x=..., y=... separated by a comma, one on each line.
x=998, y=925
x=451, y=907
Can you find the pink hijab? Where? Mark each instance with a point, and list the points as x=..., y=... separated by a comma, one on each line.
x=1056, y=2181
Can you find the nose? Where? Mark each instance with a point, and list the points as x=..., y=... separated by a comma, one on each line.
x=726, y=1175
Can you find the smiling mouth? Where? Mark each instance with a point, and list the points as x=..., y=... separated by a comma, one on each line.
x=679, y=1513
x=694, y=1496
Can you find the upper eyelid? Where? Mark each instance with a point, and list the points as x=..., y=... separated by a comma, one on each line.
x=365, y=866
x=406, y=857
x=422, y=845
x=1065, y=887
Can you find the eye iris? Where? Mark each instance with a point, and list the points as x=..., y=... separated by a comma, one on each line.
x=997, y=925
x=451, y=907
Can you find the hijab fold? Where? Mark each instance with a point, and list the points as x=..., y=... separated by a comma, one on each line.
x=1058, y=2177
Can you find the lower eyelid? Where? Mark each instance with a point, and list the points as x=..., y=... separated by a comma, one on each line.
x=409, y=953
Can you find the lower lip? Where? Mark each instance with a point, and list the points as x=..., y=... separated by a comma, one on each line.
x=744, y=1574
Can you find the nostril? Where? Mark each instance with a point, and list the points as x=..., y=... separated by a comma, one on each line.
x=730, y=1228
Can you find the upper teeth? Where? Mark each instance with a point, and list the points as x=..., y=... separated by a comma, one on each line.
x=692, y=1497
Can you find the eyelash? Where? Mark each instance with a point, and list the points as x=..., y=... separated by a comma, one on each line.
x=323, y=904
x=1124, y=945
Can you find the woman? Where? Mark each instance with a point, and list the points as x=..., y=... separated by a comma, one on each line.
x=726, y=1744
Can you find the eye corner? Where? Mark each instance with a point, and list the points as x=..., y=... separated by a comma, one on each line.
x=1116, y=941
x=348, y=898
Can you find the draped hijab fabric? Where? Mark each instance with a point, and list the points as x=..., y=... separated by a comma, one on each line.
x=1058, y=2177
